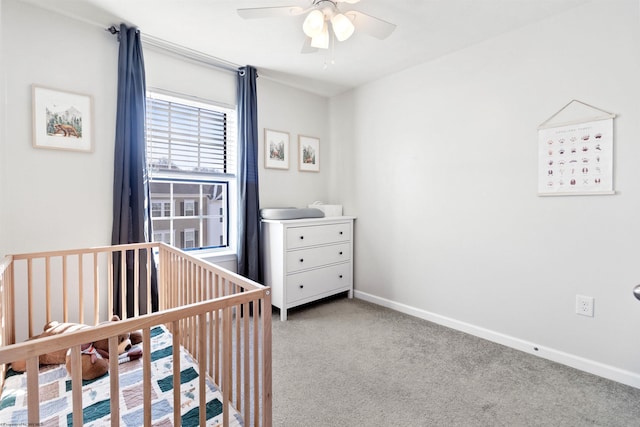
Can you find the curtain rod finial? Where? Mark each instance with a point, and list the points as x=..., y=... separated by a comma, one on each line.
x=112, y=29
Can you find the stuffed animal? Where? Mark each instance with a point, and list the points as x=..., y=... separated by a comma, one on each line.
x=95, y=356
x=125, y=344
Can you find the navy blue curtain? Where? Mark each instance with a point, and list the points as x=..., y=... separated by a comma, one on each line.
x=248, y=198
x=131, y=207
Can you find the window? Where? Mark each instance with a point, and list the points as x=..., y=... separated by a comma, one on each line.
x=189, y=238
x=160, y=208
x=191, y=152
x=189, y=207
x=162, y=236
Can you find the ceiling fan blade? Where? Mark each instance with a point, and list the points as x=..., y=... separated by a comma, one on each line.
x=307, y=48
x=270, y=12
x=371, y=25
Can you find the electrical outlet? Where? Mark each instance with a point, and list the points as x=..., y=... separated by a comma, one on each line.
x=584, y=305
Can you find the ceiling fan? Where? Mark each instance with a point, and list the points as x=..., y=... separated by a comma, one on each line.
x=320, y=14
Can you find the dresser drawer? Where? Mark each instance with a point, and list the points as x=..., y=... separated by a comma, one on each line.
x=298, y=237
x=303, y=259
x=316, y=283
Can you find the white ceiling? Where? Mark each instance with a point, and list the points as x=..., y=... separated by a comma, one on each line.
x=426, y=29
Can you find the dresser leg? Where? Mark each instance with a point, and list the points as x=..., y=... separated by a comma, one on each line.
x=283, y=314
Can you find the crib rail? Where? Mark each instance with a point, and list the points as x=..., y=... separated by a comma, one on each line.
x=221, y=318
x=7, y=316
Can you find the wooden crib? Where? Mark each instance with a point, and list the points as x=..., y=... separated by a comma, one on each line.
x=220, y=320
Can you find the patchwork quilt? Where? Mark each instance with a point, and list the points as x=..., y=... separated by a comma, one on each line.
x=56, y=397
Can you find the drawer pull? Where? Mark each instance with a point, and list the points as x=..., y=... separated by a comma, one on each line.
x=301, y=237
x=301, y=286
x=301, y=259
x=340, y=276
x=340, y=252
x=341, y=233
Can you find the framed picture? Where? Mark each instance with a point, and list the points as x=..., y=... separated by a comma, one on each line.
x=309, y=153
x=276, y=149
x=62, y=120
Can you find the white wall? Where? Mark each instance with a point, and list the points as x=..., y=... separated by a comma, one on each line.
x=56, y=199
x=298, y=113
x=171, y=73
x=443, y=181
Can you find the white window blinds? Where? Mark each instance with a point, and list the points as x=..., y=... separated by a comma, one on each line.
x=190, y=138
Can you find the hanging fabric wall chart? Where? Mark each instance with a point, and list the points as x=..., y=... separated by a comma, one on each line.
x=576, y=157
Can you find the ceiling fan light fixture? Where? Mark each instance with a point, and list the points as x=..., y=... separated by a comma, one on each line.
x=314, y=23
x=342, y=26
x=321, y=41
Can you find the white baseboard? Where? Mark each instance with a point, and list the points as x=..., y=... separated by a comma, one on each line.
x=606, y=371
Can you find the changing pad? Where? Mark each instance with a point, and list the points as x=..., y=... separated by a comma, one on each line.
x=290, y=213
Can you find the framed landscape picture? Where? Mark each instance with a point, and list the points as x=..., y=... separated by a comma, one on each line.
x=309, y=153
x=62, y=120
x=276, y=149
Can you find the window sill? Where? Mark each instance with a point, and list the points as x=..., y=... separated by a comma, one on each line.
x=226, y=259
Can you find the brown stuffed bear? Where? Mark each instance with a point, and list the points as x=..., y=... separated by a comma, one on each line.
x=95, y=356
x=125, y=344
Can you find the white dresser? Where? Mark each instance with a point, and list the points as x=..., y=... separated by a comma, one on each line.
x=307, y=259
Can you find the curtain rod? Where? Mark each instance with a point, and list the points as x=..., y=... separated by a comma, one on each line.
x=183, y=52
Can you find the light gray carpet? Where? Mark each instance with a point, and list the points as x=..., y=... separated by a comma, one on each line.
x=346, y=362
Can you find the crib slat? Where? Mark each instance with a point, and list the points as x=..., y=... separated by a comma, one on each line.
x=136, y=283
x=227, y=349
x=114, y=381
x=218, y=350
x=33, y=389
x=146, y=374
x=209, y=295
x=47, y=269
x=76, y=385
x=10, y=325
x=245, y=358
x=202, y=360
x=80, y=289
x=65, y=300
x=149, y=267
x=266, y=359
x=163, y=279
x=30, y=294
x=216, y=346
x=237, y=401
x=192, y=299
x=176, y=373
x=110, y=280
x=166, y=267
x=123, y=283
x=200, y=283
x=175, y=269
x=96, y=292
x=7, y=324
x=184, y=299
x=176, y=273
x=200, y=289
x=256, y=363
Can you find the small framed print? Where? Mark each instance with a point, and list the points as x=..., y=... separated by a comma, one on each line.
x=309, y=154
x=62, y=120
x=276, y=149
